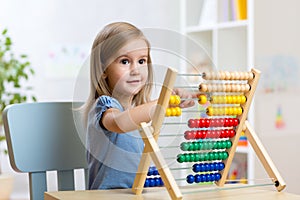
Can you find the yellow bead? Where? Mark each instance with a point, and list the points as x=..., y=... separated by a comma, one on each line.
x=230, y=111
x=234, y=110
x=178, y=111
x=210, y=111
x=229, y=99
x=173, y=111
x=238, y=99
x=202, y=99
x=177, y=100
x=172, y=99
x=243, y=99
x=214, y=99
x=168, y=112
x=239, y=111
x=234, y=99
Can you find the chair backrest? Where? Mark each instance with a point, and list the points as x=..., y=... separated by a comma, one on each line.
x=43, y=137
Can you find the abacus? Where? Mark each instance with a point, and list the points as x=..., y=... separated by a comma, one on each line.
x=211, y=141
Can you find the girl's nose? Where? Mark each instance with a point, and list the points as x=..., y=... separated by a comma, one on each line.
x=134, y=69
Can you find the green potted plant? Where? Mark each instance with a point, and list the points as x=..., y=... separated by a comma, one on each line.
x=15, y=71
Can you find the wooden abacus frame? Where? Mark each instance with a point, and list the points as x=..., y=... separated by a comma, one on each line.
x=150, y=133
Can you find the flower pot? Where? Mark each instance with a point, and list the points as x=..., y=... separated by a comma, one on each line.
x=6, y=186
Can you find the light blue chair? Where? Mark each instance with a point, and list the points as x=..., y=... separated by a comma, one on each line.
x=43, y=137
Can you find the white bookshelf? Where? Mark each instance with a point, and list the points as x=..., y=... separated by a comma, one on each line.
x=228, y=43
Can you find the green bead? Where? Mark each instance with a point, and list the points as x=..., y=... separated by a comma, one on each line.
x=216, y=155
x=229, y=144
x=197, y=157
x=200, y=145
x=220, y=155
x=184, y=146
x=196, y=146
x=219, y=145
x=205, y=146
x=224, y=144
x=201, y=155
x=225, y=155
x=192, y=158
x=180, y=158
x=211, y=156
x=210, y=145
x=191, y=146
x=187, y=158
x=206, y=157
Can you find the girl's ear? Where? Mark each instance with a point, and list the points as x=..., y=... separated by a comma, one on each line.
x=104, y=75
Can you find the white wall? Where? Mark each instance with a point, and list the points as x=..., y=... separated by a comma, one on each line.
x=277, y=51
x=38, y=28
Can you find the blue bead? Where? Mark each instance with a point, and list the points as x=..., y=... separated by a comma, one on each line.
x=217, y=176
x=203, y=178
x=157, y=182
x=190, y=179
x=146, y=183
x=150, y=172
x=196, y=168
x=155, y=172
x=152, y=182
x=208, y=178
x=207, y=167
x=197, y=178
x=217, y=166
x=212, y=167
x=222, y=166
x=212, y=177
x=202, y=168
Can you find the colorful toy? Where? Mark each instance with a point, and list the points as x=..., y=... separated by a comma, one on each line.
x=210, y=142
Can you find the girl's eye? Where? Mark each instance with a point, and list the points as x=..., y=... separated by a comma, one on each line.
x=142, y=61
x=125, y=61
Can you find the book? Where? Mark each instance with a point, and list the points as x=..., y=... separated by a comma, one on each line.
x=241, y=9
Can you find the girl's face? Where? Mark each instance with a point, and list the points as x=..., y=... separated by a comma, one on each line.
x=128, y=73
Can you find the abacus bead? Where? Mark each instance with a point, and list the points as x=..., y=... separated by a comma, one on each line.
x=217, y=176
x=234, y=100
x=203, y=178
x=191, y=147
x=192, y=123
x=187, y=157
x=161, y=181
x=212, y=177
x=208, y=177
x=190, y=179
x=155, y=172
x=228, y=144
x=157, y=181
x=202, y=99
x=177, y=100
x=247, y=88
x=147, y=183
x=197, y=157
x=168, y=112
x=228, y=88
x=229, y=99
x=227, y=75
x=251, y=75
x=209, y=87
x=238, y=99
x=243, y=99
x=203, y=87
x=173, y=111
x=222, y=75
x=207, y=75
x=181, y=158
x=196, y=168
x=238, y=88
x=239, y=111
x=178, y=111
x=184, y=146
x=196, y=146
x=172, y=99
x=151, y=182
x=197, y=178
x=221, y=166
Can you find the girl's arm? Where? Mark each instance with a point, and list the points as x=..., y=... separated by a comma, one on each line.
x=121, y=122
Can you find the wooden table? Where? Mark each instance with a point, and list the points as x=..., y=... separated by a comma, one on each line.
x=252, y=193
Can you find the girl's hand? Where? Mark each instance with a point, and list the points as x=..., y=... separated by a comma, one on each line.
x=187, y=96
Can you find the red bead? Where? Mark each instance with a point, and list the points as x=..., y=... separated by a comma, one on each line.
x=222, y=134
x=189, y=135
x=222, y=122
x=204, y=135
x=236, y=121
x=202, y=123
x=213, y=134
x=232, y=133
x=230, y=122
x=208, y=133
x=192, y=123
x=207, y=123
x=226, y=122
x=198, y=134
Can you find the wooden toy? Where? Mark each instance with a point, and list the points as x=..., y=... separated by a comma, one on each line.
x=210, y=142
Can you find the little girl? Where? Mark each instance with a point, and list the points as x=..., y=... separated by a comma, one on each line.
x=121, y=81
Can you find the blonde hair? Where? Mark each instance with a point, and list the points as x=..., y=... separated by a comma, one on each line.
x=105, y=47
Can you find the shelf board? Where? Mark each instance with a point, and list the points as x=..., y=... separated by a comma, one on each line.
x=211, y=27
